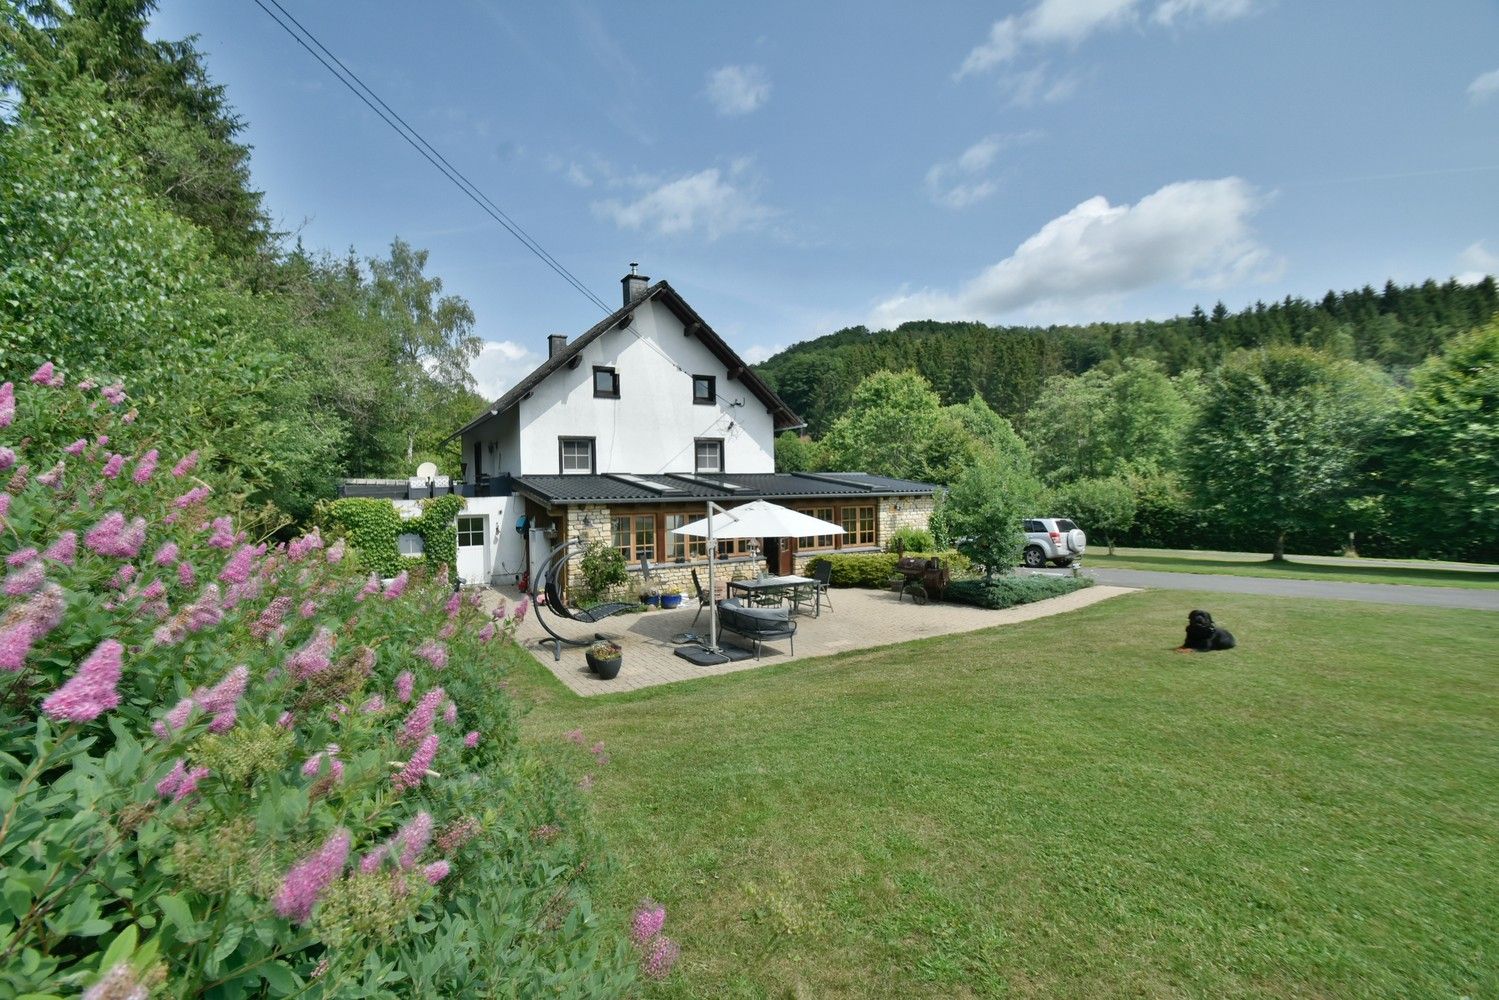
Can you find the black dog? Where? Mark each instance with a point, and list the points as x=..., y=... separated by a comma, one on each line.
x=1205, y=637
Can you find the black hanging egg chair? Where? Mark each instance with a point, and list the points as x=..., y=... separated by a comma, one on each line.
x=547, y=580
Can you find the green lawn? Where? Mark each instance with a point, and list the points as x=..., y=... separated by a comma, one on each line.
x=1177, y=561
x=1067, y=808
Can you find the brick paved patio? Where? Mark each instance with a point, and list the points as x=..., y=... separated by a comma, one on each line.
x=860, y=620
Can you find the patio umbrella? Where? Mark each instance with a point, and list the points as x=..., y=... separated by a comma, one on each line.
x=757, y=519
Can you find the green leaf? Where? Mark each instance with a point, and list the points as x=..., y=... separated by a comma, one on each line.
x=279, y=977
x=121, y=948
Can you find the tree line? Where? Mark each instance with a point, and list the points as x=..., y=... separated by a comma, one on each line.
x=1394, y=329
x=1275, y=448
x=133, y=246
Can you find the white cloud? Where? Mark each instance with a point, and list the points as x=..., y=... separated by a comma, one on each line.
x=501, y=364
x=1480, y=263
x=1168, y=11
x=1192, y=233
x=965, y=180
x=738, y=90
x=1484, y=86
x=1036, y=86
x=1069, y=22
x=759, y=353
x=713, y=201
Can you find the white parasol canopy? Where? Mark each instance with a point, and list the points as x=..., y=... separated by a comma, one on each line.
x=757, y=519
x=760, y=519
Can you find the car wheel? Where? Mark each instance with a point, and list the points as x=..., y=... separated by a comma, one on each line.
x=1034, y=557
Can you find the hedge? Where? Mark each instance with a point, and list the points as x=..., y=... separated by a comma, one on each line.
x=372, y=527
x=874, y=569
x=1008, y=591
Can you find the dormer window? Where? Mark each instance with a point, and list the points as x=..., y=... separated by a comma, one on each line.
x=704, y=389
x=708, y=455
x=605, y=383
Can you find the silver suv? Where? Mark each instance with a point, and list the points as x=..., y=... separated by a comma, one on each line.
x=1053, y=540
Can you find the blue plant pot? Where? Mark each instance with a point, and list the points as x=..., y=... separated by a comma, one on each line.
x=654, y=600
x=669, y=601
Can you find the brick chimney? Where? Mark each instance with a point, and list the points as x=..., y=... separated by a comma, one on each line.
x=556, y=343
x=634, y=284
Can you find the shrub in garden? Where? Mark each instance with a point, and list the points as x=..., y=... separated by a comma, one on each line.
x=874, y=569
x=240, y=769
x=911, y=540
x=1008, y=591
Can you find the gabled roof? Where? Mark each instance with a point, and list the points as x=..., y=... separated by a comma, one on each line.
x=679, y=487
x=785, y=418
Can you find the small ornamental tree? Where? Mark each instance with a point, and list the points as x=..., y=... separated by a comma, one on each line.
x=981, y=514
x=231, y=768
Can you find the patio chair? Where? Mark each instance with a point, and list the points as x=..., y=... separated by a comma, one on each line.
x=703, y=600
x=823, y=574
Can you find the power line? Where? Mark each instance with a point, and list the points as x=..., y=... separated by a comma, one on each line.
x=422, y=146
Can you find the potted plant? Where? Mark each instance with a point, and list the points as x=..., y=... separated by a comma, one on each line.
x=651, y=597
x=604, y=658
x=671, y=597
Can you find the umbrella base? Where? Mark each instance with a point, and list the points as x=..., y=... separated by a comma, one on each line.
x=704, y=657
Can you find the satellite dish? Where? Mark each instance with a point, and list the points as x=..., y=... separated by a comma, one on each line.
x=426, y=470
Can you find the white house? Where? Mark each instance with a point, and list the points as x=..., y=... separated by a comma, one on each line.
x=624, y=432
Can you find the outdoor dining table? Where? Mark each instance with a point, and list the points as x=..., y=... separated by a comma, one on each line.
x=794, y=586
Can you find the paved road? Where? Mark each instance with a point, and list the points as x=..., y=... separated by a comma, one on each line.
x=1377, y=593
x=1360, y=562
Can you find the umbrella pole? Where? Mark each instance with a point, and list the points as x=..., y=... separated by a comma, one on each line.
x=712, y=585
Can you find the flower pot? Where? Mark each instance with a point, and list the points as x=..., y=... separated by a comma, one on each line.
x=606, y=667
x=669, y=601
x=654, y=600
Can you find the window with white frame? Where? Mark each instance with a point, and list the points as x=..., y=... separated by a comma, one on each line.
x=708, y=455
x=409, y=543
x=575, y=456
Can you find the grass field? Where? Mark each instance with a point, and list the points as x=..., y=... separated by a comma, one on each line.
x=1218, y=563
x=1067, y=808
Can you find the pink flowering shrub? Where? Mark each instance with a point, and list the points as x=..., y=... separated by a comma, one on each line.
x=227, y=773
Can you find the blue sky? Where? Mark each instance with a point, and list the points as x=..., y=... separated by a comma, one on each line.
x=795, y=168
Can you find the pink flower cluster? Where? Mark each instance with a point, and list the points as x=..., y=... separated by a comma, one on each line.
x=420, y=719
x=299, y=548
x=223, y=533
x=24, y=626
x=397, y=587
x=7, y=407
x=145, y=467
x=240, y=565
x=658, y=952
x=91, y=691
x=417, y=767
x=310, y=877
x=181, y=781
x=314, y=764
x=221, y=702
x=270, y=619
x=111, y=536
x=46, y=375
x=185, y=464
x=434, y=653
x=314, y=657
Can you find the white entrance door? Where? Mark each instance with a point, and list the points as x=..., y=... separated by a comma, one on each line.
x=472, y=535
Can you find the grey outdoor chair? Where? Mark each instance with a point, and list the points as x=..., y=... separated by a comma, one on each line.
x=823, y=574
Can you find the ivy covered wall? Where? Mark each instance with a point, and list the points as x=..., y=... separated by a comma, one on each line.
x=371, y=526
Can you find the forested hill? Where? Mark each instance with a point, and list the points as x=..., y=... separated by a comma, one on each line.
x=1395, y=328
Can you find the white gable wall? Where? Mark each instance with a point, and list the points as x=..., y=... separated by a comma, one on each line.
x=652, y=426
